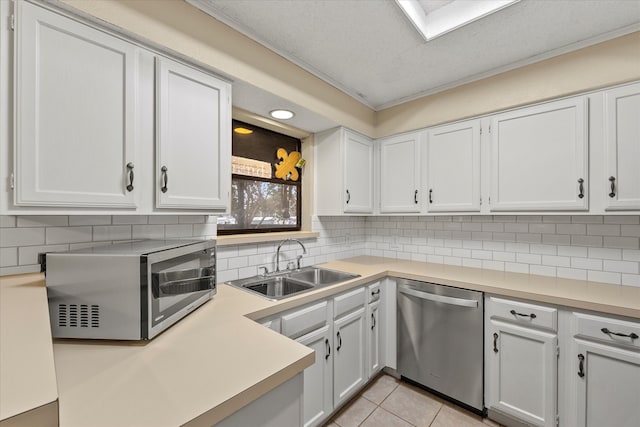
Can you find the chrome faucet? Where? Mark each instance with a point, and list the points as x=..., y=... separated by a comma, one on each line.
x=304, y=251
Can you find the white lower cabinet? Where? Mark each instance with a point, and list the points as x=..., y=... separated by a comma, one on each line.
x=521, y=361
x=337, y=330
x=523, y=373
x=349, y=372
x=595, y=382
x=602, y=372
x=373, y=330
x=318, y=378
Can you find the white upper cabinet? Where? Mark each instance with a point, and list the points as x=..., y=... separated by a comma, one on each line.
x=539, y=157
x=75, y=114
x=622, y=148
x=193, y=139
x=400, y=173
x=343, y=172
x=358, y=173
x=453, y=167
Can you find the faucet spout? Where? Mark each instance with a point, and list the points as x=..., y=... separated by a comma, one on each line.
x=304, y=251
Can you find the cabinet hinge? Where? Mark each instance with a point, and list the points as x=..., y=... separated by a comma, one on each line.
x=557, y=351
x=480, y=130
x=12, y=22
x=480, y=200
x=489, y=128
x=12, y=181
x=557, y=420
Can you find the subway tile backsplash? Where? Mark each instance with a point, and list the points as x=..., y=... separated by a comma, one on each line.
x=598, y=248
x=22, y=238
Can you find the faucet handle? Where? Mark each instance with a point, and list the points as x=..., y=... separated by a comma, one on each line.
x=298, y=259
x=290, y=265
x=266, y=270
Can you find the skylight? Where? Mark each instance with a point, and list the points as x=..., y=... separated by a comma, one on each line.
x=433, y=18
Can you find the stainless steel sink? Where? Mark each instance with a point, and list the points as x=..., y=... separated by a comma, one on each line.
x=276, y=286
x=321, y=276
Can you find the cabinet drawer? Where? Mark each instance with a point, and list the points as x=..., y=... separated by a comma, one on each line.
x=348, y=302
x=523, y=313
x=608, y=329
x=373, y=292
x=302, y=321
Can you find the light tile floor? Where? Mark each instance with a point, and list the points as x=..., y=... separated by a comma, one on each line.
x=387, y=402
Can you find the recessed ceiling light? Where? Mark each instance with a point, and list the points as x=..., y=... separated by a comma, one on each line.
x=435, y=18
x=281, y=114
x=242, y=131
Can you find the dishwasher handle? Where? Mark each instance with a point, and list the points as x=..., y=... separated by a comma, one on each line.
x=438, y=298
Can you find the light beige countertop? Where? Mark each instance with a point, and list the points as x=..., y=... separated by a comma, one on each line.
x=28, y=393
x=216, y=360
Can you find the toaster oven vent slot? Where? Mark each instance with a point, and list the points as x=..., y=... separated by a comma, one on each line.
x=78, y=315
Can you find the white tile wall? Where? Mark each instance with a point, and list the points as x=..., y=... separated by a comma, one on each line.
x=22, y=238
x=599, y=248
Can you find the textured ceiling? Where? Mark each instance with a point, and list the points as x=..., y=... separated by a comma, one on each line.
x=368, y=49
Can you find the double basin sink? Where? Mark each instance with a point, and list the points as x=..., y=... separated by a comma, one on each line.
x=276, y=286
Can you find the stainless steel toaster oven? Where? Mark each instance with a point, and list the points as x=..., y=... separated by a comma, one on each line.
x=128, y=291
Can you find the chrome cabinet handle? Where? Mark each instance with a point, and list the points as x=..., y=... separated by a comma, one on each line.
x=415, y=197
x=430, y=193
x=495, y=342
x=581, y=182
x=328, y=347
x=130, y=168
x=632, y=335
x=376, y=292
x=339, y=341
x=515, y=313
x=581, y=365
x=165, y=179
x=348, y=197
x=612, y=180
x=373, y=321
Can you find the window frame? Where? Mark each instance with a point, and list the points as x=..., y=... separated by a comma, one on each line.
x=273, y=179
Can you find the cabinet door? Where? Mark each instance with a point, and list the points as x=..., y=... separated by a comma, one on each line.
x=358, y=173
x=622, y=147
x=522, y=372
x=400, y=174
x=453, y=168
x=193, y=143
x=318, y=378
x=606, y=383
x=75, y=113
x=539, y=158
x=349, y=356
x=373, y=332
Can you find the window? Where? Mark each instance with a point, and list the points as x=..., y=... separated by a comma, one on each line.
x=260, y=200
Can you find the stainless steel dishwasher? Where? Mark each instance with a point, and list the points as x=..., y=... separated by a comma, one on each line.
x=440, y=340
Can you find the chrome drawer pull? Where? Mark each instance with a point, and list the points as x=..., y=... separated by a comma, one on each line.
x=515, y=313
x=581, y=365
x=632, y=335
x=328, y=347
x=339, y=341
x=495, y=342
x=376, y=292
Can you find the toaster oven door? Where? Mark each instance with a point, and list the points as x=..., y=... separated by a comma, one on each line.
x=177, y=285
